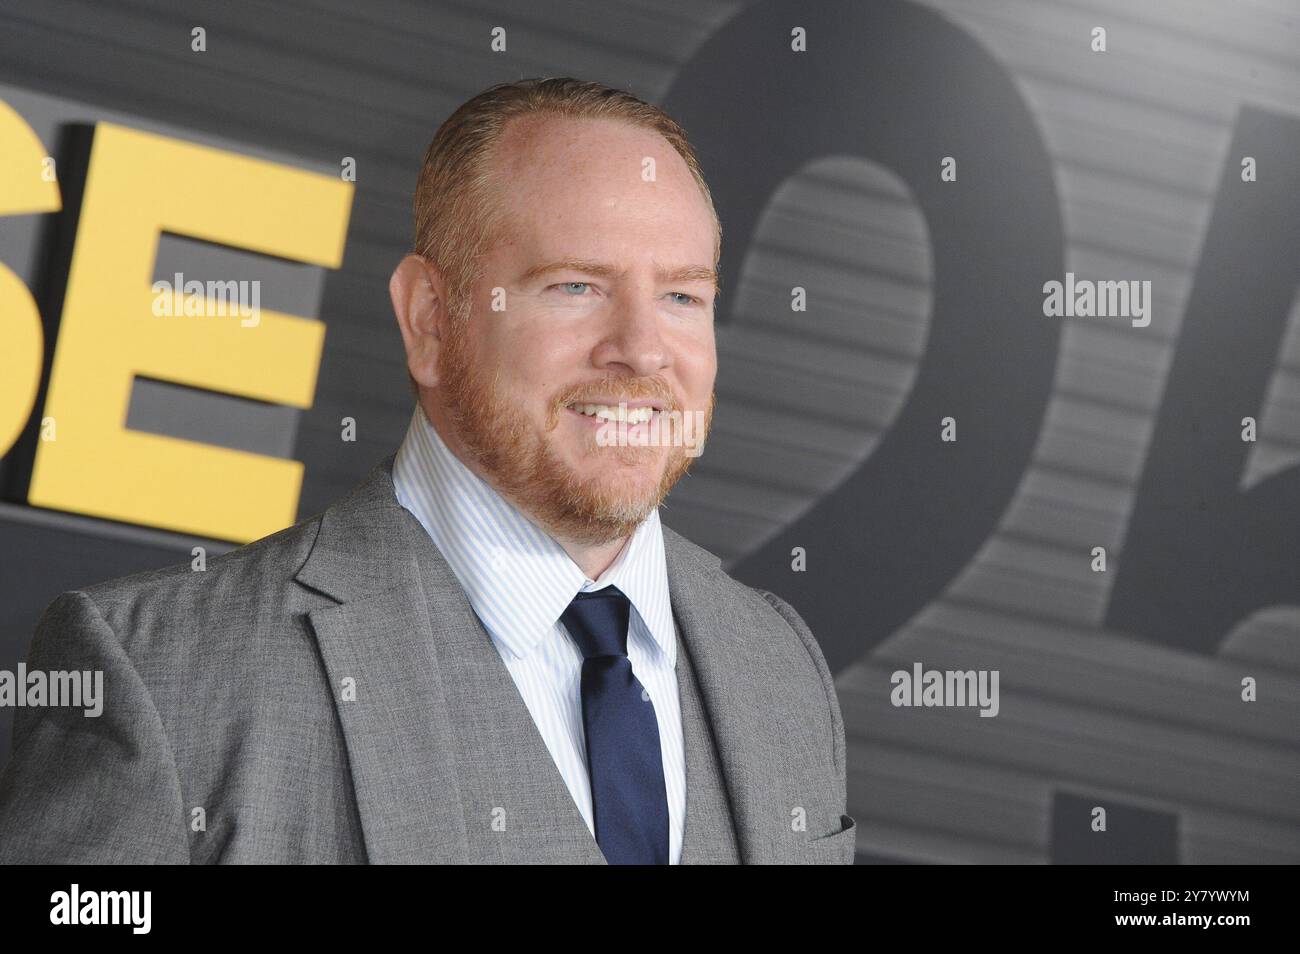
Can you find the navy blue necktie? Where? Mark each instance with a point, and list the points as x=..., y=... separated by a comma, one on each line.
x=629, y=800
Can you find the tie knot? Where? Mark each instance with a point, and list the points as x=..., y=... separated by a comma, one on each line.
x=597, y=621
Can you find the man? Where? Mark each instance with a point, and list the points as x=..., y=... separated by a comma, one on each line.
x=491, y=650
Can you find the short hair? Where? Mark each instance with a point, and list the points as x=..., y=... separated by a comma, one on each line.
x=455, y=217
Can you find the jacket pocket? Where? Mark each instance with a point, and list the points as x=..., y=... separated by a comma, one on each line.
x=836, y=848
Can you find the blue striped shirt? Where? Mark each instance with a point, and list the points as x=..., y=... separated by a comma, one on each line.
x=519, y=581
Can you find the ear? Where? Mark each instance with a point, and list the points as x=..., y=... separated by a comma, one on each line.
x=419, y=303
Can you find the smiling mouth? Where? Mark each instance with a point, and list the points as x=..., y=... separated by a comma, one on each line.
x=616, y=413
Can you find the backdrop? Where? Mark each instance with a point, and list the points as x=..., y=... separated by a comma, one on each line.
x=940, y=459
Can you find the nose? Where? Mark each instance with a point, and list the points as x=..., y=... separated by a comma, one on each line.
x=634, y=343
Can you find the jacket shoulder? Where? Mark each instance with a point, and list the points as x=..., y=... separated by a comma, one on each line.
x=157, y=606
x=278, y=554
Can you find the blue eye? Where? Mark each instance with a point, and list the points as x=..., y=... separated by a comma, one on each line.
x=568, y=286
x=690, y=299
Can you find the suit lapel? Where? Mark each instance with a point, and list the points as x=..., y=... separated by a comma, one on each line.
x=440, y=743
x=709, y=837
x=378, y=641
x=740, y=697
x=519, y=809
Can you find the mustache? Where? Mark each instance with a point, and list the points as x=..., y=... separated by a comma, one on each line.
x=628, y=389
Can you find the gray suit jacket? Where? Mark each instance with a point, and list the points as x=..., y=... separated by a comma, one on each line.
x=327, y=694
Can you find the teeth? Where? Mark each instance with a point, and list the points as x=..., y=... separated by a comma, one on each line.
x=613, y=412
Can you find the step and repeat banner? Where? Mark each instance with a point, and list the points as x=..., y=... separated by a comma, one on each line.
x=1008, y=341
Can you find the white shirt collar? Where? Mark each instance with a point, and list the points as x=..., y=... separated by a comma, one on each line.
x=517, y=578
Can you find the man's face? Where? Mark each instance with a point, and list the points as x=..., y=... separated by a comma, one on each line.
x=603, y=284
